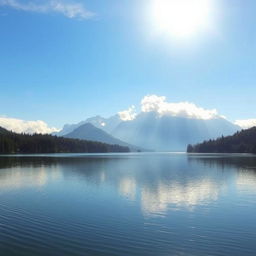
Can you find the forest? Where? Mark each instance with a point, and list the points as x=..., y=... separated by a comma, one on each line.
x=14, y=143
x=241, y=142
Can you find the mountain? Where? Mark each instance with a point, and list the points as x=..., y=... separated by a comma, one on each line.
x=37, y=143
x=158, y=132
x=241, y=142
x=169, y=133
x=105, y=124
x=88, y=131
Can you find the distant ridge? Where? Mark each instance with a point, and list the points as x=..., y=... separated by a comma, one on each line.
x=241, y=142
x=150, y=130
x=88, y=131
x=169, y=133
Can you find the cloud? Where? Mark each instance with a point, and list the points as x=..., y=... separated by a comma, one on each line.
x=128, y=115
x=68, y=9
x=21, y=126
x=247, y=123
x=159, y=105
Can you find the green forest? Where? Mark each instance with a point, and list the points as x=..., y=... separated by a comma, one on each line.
x=13, y=143
x=241, y=142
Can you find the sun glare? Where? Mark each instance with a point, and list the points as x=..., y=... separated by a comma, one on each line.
x=181, y=18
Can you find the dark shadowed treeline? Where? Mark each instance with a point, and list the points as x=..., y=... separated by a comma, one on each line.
x=241, y=142
x=11, y=143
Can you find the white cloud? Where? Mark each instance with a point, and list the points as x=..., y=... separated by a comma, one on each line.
x=21, y=126
x=68, y=9
x=247, y=123
x=159, y=105
x=128, y=115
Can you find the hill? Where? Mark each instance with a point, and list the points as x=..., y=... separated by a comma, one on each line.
x=241, y=142
x=11, y=143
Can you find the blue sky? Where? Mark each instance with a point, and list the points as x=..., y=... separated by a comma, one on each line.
x=63, y=69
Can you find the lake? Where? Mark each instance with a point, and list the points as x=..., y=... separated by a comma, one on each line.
x=128, y=204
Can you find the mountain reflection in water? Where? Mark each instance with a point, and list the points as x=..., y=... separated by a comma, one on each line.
x=186, y=197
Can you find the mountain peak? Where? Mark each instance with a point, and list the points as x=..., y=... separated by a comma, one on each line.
x=88, y=131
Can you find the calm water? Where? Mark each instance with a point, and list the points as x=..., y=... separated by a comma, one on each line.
x=144, y=204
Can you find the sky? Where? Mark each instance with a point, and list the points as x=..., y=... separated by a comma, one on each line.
x=64, y=61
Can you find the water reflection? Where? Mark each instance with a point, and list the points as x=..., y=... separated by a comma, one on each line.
x=16, y=178
x=157, y=183
x=18, y=174
x=127, y=187
x=166, y=204
x=177, y=195
x=241, y=167
x=246, y=180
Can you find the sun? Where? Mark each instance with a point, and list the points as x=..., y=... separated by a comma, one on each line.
x=181, y=18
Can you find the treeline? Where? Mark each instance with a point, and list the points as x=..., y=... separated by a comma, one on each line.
x=241, y=142
x=12, y=143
